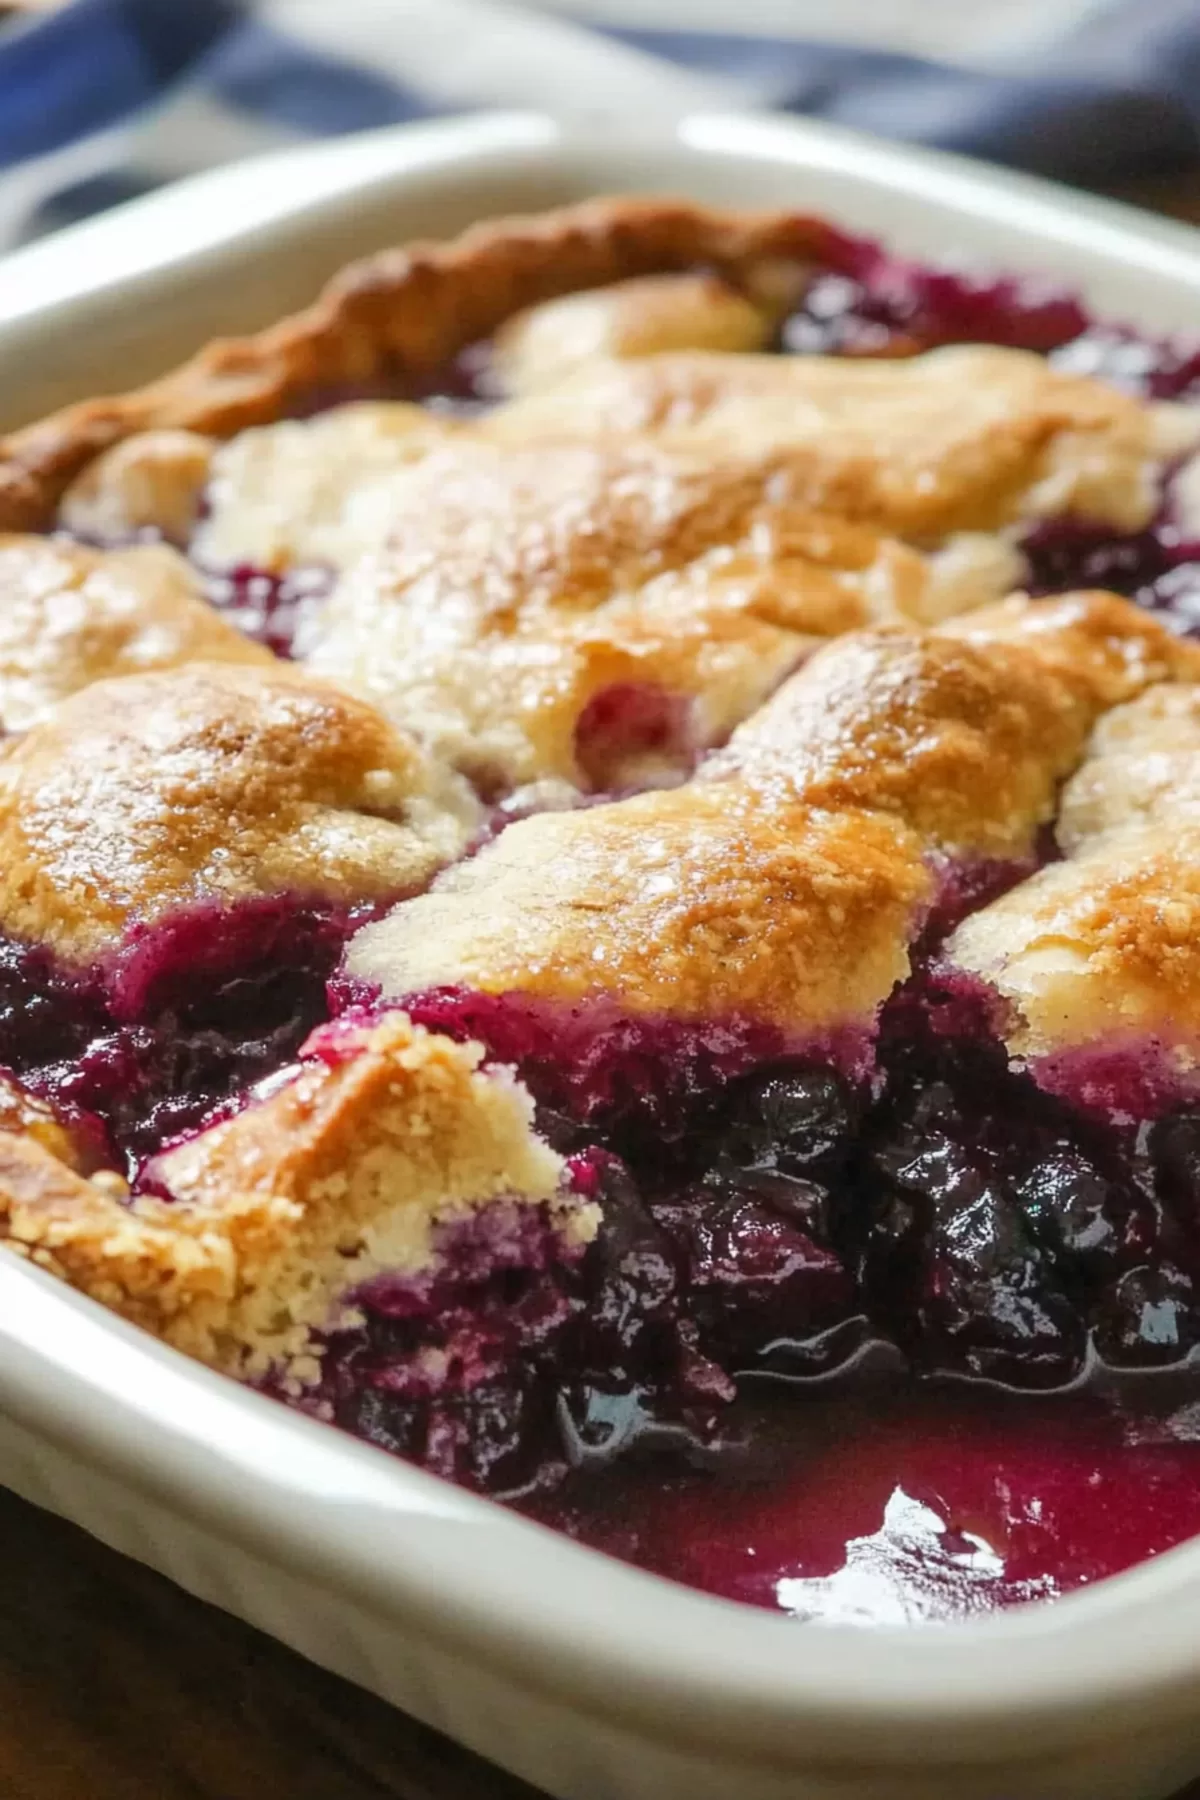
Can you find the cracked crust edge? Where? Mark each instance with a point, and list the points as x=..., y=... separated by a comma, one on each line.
x=399, y=311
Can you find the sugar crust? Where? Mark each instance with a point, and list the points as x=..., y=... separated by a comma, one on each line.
x=544, y=345
x=146, y=794
x=965, y=732
x=787, y=883
x=71, y=615
x=701, y=903
x=396, y=316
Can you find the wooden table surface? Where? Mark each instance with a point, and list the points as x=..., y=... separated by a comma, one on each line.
x=114, y=1685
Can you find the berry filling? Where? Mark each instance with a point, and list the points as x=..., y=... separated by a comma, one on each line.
x=865, y=302
x=189, y=1013
x=272, y=609
x=455, y=1369
x=879, y=1501
x=597, y=1066
x=1158, y=567
x=795, y=1254
x=633, y=734
x=876, y=304
x=794, y=1261
x=1009, y=1236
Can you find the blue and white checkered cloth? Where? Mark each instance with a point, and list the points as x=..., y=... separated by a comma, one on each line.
x=104, y=99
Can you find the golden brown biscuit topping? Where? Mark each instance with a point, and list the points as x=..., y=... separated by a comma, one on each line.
x=404, y=313
x=543, y=345
x=70, y=616
x=150, y=482
x=22, y=1114
x=787, y=883
x=623, y=567
x=311, y=491
x=521, y=584
x=967, y=748
x=213, y=781
x=1143, y=766
x=700, y=903
x=1106, y=648
x=969, y=438
x=966, y=732
x=1106, y=944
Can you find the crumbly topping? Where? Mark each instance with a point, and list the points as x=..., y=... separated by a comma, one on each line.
x=70, y=616
x=342, y=1173
x=1144, y=767
x=961, y=440
x=967, y=748
x=152, y=481
x=665, y=513
x=967, y=438
x=1103, y=946
x=1106, y=648
x=404, y=313
x=311, y=491
x=213, y=781
x=544, y=344
x=24, y=1115
x=700, y=903
x=965, y=733
x=1107, y=942
x=521, y=583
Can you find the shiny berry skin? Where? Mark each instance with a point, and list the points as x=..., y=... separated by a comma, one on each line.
x=1175, y=1152
x=789, y=1121
x=1084, y=1222
x=953, y=1266
x=755, y=1278
x=1148, y=1317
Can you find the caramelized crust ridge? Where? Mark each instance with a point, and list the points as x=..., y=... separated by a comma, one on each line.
x=653, y=313
x=1105, y=946
x=701, y=903
x=969, y=438
x=399, y=313
x=787, y=884
x=966, y=732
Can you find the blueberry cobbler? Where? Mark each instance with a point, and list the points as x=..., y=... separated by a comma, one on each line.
x=600, y=886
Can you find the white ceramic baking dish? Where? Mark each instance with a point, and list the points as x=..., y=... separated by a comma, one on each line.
x=589, y=1678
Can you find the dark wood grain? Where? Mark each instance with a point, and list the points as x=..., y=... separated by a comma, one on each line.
x=116, y=1686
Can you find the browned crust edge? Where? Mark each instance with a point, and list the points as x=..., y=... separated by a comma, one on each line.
x=400, y=310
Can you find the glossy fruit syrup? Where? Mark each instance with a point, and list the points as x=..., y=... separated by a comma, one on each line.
x=885, y=1501
x=1022, y=1418
x=897, y=1491
x=883, y=1359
